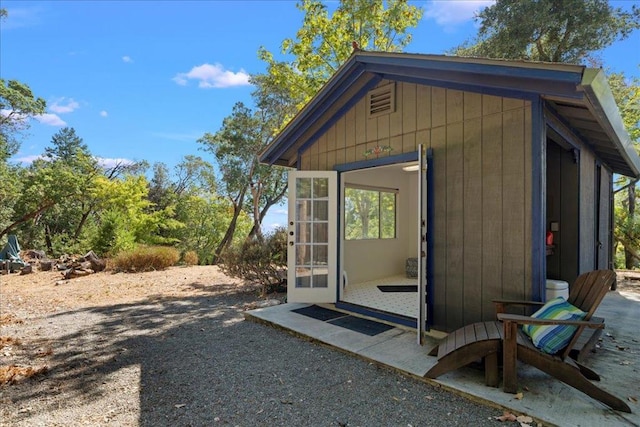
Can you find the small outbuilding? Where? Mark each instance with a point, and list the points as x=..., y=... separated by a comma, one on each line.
x=426, y=186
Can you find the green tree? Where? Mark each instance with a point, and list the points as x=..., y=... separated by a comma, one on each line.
x=63, y=223
x=44, y=185
x=627, y=222
x=17, y=106
x=191, y=194
x=325, y=42
x=549, y=30
x=125, y=218
x=235, y=147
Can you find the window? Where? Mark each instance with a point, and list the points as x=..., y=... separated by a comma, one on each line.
x=370, y=212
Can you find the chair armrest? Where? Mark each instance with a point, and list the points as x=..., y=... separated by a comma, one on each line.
x=501, y=304
x=517, y=302
x=526, y=320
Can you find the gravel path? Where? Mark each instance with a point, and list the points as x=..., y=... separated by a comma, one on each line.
x=194, y=361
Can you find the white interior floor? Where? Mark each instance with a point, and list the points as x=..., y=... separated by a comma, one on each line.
x=367, y=294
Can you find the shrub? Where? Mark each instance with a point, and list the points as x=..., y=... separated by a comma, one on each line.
x=190, y=258
x=145, y=258
x=263, y=262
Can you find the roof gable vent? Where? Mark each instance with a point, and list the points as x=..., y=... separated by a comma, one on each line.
x=381, y=100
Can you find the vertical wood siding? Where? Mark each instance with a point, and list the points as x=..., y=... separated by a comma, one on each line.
x=482, y=180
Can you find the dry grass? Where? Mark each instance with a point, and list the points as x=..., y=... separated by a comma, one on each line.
x=8, y=319
x=12, y=374
x=190, y=258
x=8, y=341
x=146, y=258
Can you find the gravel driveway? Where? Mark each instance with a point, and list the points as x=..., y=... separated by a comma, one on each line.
x=194, y=361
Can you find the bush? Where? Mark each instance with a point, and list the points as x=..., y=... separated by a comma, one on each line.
x=145, y=258
x=263, y=262
x=190, y=258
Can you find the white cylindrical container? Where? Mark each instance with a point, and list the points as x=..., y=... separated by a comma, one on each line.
x=557, y=288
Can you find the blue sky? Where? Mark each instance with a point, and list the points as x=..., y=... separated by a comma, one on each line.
x=143, y=80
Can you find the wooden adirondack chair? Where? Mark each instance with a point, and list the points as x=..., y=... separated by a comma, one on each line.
x=486, y=339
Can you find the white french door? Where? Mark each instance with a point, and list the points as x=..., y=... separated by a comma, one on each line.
x=312, y=237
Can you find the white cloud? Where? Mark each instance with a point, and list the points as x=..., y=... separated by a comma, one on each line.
x=50, y=119
x=16, y=116
x=451, y=13
x=127, y=58
x=21, y=18
x=274, y=226
x=63, y=105
x=27, y=160
x=213, y=76
x=106, y=162
x=103, y=113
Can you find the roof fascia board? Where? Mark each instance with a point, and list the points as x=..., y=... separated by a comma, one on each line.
x=577, y=140
x=603, y=106
x=569, y=74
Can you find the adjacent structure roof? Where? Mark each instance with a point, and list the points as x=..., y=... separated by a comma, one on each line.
x=578, y=95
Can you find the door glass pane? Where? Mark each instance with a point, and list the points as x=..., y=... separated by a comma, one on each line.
x=320, y=278
x=321, y=232
x=320, y=255
x=303, y=210
x=303, y=188
x=320, y=210
x=303, y=231
x=303, y=254
x=320, y=188
x=303, y=277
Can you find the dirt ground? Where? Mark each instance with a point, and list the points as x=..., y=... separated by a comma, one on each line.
x=25, y=299
x=45, y=292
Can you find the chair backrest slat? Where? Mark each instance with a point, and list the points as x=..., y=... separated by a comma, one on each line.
x=589, y=289
x=586, y=293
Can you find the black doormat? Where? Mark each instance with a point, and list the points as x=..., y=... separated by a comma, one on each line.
x=319, y=313
x=364, y=326
x=402, y=288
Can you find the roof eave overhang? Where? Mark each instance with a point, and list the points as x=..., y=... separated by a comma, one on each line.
x=601, y=103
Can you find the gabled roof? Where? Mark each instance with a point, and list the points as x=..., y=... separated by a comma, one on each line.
x=580, y=96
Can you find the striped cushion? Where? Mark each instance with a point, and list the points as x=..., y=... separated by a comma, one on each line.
x=553, y=338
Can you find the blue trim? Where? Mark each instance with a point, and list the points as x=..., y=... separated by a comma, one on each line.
x=597, y=219
x=538, y=202
x=381, y=161
x=399, y=64
x=339, y=248
x=382, y=315
x=430, y=235
x=559, y=124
